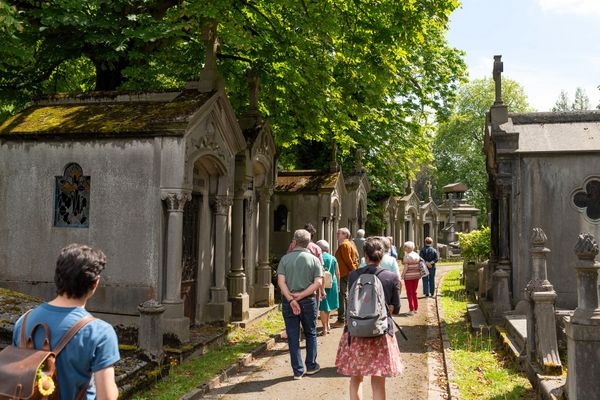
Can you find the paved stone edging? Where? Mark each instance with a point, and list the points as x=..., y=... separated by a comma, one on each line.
x=453, y=393
x=232, y=370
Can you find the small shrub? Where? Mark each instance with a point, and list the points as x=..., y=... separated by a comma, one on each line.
x=475, y=245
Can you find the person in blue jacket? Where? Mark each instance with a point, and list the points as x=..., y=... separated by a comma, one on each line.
x=431, y=256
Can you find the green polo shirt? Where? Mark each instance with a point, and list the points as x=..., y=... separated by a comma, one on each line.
x=300, y=269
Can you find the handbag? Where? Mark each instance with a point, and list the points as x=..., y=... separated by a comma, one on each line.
x=327, y=280
x=423, y=270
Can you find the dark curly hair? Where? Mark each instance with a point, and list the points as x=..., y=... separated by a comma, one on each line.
x=77, y=268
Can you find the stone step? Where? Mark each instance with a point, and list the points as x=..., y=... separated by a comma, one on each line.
x=516, y=328
x=478, y=322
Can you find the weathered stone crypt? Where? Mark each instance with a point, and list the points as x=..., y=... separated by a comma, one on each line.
x=168, y=184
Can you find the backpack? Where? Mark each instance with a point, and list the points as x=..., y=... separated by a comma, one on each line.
x=26, y=372
x=367, y=311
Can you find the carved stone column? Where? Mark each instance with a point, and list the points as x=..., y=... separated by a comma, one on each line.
x=150, y=333
x=219, y=309
x=583, y=330
x=175, y=321
x=240, y=301
x=587, y=311
x=501, y=276
x=251, y=260
x=542, y=346
x=493, y=262
x=264, y=291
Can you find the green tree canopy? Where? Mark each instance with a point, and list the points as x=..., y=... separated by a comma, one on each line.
x=360, y=74
x=458, y=145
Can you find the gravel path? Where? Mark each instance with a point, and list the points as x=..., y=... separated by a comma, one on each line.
x=269, y=377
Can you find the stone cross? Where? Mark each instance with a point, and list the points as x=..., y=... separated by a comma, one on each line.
x=253, y=88
x=429, y=190
x=409, y=186
x=497, y=74
x=359, y=156
x=209, y=75
x=333, y=164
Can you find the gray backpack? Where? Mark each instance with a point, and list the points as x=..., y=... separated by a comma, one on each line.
x=367, y=311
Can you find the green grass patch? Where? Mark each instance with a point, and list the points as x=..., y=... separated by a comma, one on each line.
x=482, y=370
x=195, y=371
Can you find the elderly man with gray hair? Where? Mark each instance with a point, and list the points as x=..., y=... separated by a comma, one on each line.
x=299, y=276
x=359, y=242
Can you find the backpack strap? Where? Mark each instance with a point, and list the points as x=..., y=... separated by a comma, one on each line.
x=70, y=333
x=23, y=340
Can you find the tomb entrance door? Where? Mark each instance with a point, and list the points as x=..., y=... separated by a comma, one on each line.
x=191, y=240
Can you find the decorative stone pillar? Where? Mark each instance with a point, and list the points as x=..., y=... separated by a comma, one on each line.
x=493, y=261
x=219, y=309
x=150, y=335
x=175, y=321
x=542, y=346
x=240, y=301
x=502, y=274
x=264, y=291
x=251, y=260
x=583, y=329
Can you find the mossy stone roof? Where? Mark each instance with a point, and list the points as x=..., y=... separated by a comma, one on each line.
x=306, y=181
x=106, y=118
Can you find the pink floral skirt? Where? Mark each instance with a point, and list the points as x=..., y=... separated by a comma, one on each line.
x=378, y=356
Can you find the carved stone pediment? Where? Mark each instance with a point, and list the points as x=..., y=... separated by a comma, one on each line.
x=264, y=144
x=213, y=133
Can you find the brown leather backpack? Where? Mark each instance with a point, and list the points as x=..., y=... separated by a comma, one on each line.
x=19, y=365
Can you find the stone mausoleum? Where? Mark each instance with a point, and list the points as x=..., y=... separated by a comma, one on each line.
x=544, y=171
x=410, y=218
x=327, y=199
x=169, y=185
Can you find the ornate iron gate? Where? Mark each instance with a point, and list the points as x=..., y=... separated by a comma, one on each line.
x=191, y=225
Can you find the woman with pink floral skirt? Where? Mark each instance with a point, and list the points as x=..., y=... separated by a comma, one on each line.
x=377, y=357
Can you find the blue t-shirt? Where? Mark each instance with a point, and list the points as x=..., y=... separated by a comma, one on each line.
x=92, y=349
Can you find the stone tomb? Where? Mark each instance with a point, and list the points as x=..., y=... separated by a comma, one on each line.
x=544, y=172
x=327, y=199
x=150, y=179
x=409, y=218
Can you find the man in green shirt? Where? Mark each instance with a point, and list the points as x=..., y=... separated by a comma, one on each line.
x=299, y=276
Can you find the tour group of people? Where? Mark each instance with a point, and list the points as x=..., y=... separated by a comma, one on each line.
x=300, y=276
x=93, y=349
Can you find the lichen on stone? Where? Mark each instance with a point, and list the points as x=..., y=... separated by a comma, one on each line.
x=105, y=118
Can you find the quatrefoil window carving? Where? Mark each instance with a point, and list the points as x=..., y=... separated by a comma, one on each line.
x=588, y=199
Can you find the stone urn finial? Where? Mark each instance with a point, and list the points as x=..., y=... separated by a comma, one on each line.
x=586, y=247
x=538, y=237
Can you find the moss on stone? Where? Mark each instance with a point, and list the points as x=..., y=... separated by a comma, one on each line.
x=105, y=118
x=128, y=347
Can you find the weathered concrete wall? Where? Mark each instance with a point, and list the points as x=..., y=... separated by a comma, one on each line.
x=543, y=198
x=125, y=216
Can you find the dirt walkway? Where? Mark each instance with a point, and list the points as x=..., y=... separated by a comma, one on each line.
x=269, y=377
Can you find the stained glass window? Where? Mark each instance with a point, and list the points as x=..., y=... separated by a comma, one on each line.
x=72, y=198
